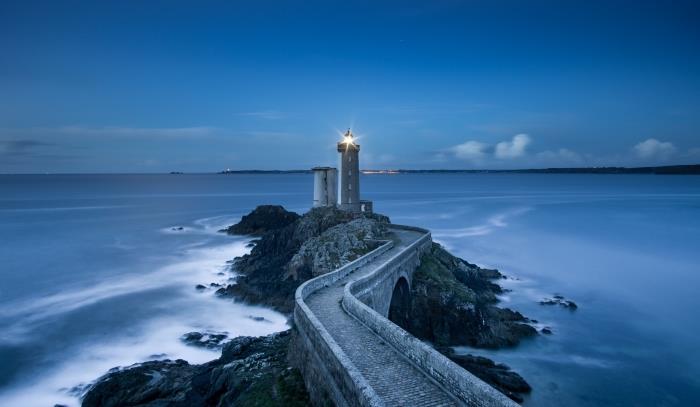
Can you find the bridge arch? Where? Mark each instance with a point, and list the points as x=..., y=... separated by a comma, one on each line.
x=400, y=305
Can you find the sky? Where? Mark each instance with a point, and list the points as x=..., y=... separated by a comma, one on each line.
x=150, y=86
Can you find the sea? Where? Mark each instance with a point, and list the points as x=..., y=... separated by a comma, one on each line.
x=99, y=271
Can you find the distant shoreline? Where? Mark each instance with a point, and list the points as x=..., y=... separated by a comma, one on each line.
x=692, y=169
x=660, y=170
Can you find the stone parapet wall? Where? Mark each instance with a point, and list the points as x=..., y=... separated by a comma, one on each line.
x=457, y=381
x=324, y=362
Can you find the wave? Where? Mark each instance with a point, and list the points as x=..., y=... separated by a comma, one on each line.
x=66, y=383
x=200, y=264
x=156, y=337
x=205, y=226
x=492, y=223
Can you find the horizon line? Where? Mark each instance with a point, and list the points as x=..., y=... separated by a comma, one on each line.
x=369, y=171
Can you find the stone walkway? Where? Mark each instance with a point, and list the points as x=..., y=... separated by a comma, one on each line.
x=395, y=380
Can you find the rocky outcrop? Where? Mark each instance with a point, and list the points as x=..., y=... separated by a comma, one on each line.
x=269, y=275
x=210, y=340
x=336, y=246
x=558, y=299
x=453, y=303
x=497, y=375
x=263, y=219
x=250, y=372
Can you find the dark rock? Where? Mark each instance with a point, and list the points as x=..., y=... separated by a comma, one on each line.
x=250, y=371
x=452, y=302
x=559, y=300
x=214, y=285
x=200, y=287
x=546, y=331
x=142, y=384
x=211, y=340
x=258, y=319
x=178, y=228
x=263, y=219
x=78, y=390
x=497, y=375
x=267, y=274
x=334, y=247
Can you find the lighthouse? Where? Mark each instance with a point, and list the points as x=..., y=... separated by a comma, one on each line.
x=325, y=193
x=349, y=173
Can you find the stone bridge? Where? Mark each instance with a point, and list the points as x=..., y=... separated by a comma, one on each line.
x=351, y=354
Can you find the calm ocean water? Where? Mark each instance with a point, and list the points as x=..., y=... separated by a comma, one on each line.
x=92, y=274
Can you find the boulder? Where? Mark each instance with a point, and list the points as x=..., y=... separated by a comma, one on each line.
x=559, y=299
x=250, y=371
x=261, y=220
x=336, y=246
x=210, y=340
x=497, y=375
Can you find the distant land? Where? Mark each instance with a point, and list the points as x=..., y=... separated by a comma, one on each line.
x=662, y=170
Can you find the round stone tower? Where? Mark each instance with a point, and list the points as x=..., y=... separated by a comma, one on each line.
x=349, y=173
x=325, y=186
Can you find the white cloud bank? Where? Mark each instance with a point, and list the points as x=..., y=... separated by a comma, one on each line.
x=514, y=148
x=515, y=152
x=654, y=149
x=478, y=152
x=470, y=150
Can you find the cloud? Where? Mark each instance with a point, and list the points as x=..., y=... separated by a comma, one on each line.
x=514, y=148
x=654, y=149
x=266, y=114
x=137, y=131
x=470, y=150
x=496, y=155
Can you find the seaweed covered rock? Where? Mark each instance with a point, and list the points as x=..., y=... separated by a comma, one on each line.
x=263, y=219
x=250, y=372
x=453, y=303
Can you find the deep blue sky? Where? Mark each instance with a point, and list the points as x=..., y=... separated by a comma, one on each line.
x=143, y=86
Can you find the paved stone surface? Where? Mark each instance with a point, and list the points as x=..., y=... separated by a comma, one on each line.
x=392, y=376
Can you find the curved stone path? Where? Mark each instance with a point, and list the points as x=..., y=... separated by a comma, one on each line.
x=392, y=376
